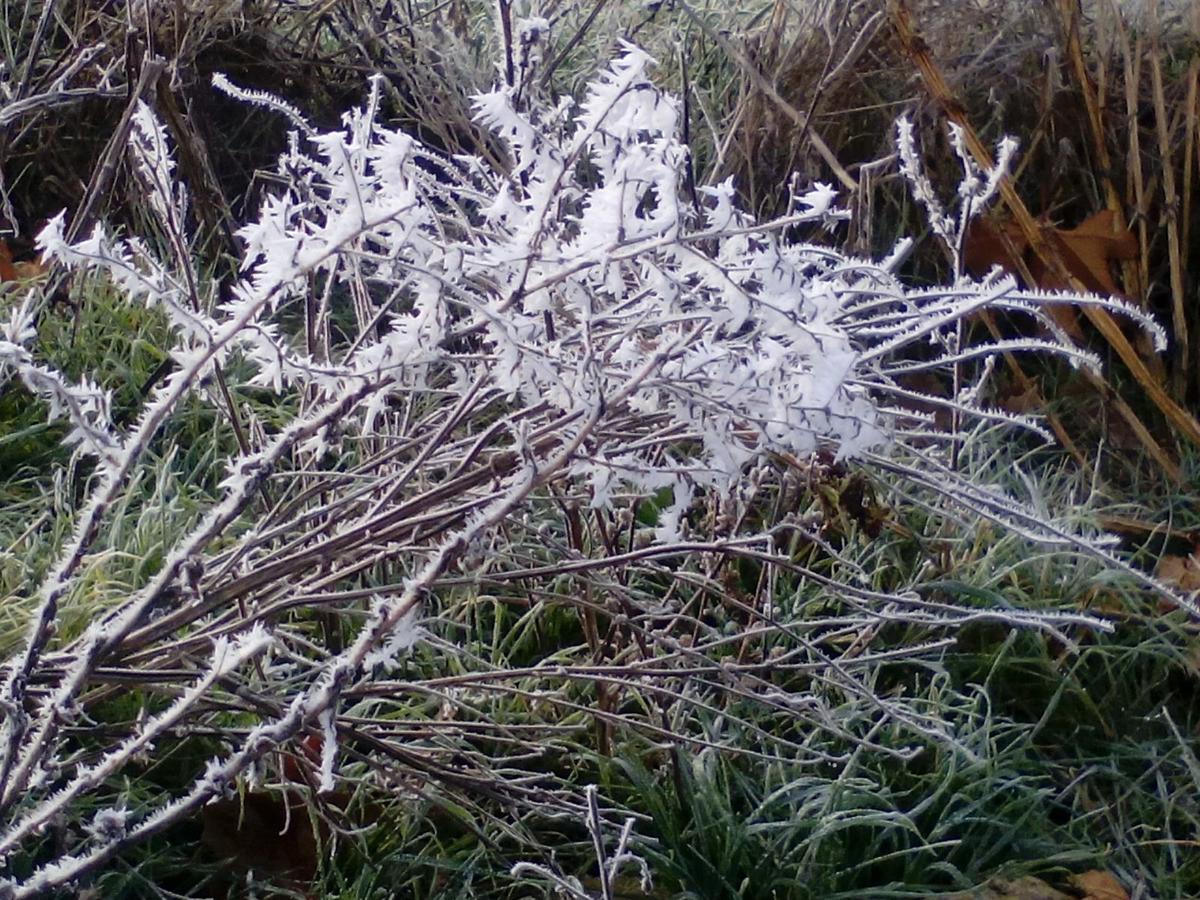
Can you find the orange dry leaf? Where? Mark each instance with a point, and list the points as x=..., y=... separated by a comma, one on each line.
x=7, y=272
x=1086, y=252
x=1097, y=885
x=1024, y=888
x=18, y=271
x=1021, y=401
x=30, y=268
x=296, y=765
x=1181, y=572
x=986, y=245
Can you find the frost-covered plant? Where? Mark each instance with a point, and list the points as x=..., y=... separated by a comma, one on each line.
x=491, y=376
x=608, y=867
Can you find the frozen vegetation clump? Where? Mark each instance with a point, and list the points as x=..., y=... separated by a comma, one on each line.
x=562, y=381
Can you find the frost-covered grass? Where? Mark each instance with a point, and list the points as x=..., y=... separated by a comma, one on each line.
x=1073, y=755
x=498, y=479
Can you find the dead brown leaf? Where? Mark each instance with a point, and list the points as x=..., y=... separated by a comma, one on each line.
x=263, y=832
x=7, y=272
x=277, y=834
x=988, y=245
x=1182, y=572
x=1098, y=885
x=1094, y=885
x=18, y=271
x=30, y=268
x=1026, y=401
x=1025, y=888
x=1087, y=253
